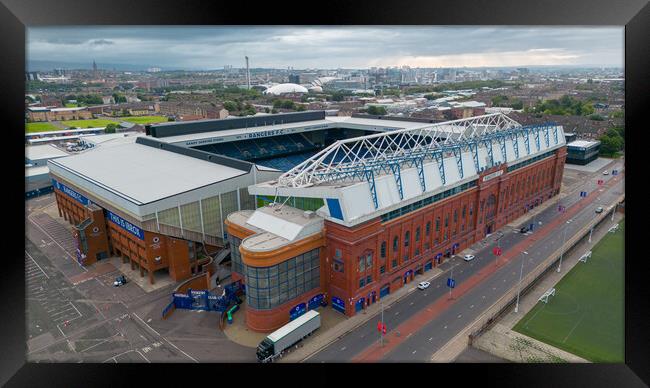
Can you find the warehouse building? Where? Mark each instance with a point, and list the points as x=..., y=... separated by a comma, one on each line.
x=582, y=151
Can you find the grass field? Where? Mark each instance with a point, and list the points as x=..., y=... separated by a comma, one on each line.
x=585, y=317
x=92, y=123
x=40, y=127
x=144, y=119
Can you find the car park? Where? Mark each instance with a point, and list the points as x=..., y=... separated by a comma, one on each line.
x=423, y=285
x=468, y=257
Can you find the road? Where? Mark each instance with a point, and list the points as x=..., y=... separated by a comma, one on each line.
x=422, y=322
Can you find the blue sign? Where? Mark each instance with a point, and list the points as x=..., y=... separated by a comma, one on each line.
x=126, y=225
x=531, y=226
x=338, y=304
x=439, y=255
x=315, y=301
x=451, y=283
x=70, y=193
x=297, y=311
x=614, y=172
x=583, y=194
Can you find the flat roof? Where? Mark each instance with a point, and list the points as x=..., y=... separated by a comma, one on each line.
x=49, y=133
x=44, y=151
x=144, y=174
x=583, y=143
x=35, y=171
x=240, y=131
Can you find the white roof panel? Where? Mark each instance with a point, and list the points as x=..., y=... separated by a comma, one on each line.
x=40, y=152
x=145, y=174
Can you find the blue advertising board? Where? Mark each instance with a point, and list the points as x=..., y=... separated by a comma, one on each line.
x=70, y=193
x=338, y=304
x=297, y=311
x=451, y=283
x=124, y=224
x=315, y=302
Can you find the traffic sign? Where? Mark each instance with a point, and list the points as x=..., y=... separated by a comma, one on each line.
x=583, y=194
x=497, y=251
x=379, y=326
x=614, y=172
x=600, y=181
x=384, y=329
x=451, y=283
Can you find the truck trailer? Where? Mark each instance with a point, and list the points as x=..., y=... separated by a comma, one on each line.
x=286, y=336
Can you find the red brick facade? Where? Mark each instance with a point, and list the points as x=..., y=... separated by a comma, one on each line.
x=155, y=252
x=454, y=224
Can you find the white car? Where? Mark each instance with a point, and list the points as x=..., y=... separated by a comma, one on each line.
x=423, y=285
x=605, y=172
x=468, y=257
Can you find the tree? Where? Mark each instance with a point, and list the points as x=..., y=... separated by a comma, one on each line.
x=300, y=108
x=596, y=117
x=230, y=106
x=609, y=146
x=376, y=110
x=110, y=128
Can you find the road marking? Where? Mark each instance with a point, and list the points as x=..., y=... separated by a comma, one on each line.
x=343, y=348
x=396, y=312
x=39, y=267
x=411, y=304
x=430, y=338
x=460, y=315
x=414, y=352
x=445, y=327
x=472, y=306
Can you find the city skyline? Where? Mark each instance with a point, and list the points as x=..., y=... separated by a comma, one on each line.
x=210, y=48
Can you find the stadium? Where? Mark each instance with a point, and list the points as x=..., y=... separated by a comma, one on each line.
x=313, y=208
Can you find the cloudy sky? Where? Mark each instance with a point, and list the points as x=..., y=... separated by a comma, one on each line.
x=328, y=47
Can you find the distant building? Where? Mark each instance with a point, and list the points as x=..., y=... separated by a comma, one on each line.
x=36, y=114
x=294, y=78
x=582, y=151
x=204, y=110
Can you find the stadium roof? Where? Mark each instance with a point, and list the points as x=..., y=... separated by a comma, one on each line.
x=46, y=151
x=140, y=174
x=363, y=177
x=286, y=88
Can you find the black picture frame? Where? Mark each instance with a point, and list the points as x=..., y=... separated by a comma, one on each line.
x=16, y=15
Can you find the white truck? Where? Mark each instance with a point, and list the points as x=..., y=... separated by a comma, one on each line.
x=286, y=336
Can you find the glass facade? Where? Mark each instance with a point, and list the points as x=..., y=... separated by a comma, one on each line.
x=269, y=287
x=235, y=255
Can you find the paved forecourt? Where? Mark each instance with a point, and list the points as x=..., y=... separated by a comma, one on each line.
x=585, y=317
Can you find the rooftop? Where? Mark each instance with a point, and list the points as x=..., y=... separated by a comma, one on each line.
x=46, y=151
x=143, y=174
x=583, y=143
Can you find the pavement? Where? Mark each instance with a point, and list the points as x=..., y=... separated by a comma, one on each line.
x=74, y=314
x=415, y=334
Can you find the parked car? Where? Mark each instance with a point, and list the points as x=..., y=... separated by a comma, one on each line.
x=119, y=281
x=468, y=257
x=524, y=229
x=605, y=172
x=599, y=209
x=423, y=285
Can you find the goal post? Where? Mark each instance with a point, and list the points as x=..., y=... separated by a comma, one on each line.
x=544, y=298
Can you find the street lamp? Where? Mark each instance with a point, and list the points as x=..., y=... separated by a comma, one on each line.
x=559, y=267
x=521, y=273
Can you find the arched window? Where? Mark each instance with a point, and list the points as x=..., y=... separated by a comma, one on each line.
x=437, y=223
x=395, y=243
x=417, y=234
x=428, y=228
x=383, y=249
x=407, y=238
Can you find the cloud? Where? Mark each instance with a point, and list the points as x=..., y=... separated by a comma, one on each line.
x=329, y=47
x=101, y=42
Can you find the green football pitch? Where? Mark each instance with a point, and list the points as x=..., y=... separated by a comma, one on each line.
x=585, y=317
